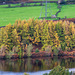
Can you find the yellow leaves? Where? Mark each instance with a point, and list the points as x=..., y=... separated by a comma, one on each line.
x=35, y=31
x=73, y=29
x=23, y=22
x=30, y=38
x=19, y=22
x=9, y=25
x=55, y=45
x=37, y=40
x=26, y=24
x=56, y=35
x=68, y=44
x=65, y=37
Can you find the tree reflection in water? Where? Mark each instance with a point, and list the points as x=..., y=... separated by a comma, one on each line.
x=35, y=64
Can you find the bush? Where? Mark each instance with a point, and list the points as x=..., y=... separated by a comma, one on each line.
x=59, y=71
x=26, y=74
x=29, y=49
x=37, y=50
x=3, y=49
x=55, y=51
x=48, y=48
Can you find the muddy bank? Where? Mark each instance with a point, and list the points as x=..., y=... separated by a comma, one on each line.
x=39, y=54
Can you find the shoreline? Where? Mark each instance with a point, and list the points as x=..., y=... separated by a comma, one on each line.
x=61, y=54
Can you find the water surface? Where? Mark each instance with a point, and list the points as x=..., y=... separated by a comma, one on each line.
x=32, y=65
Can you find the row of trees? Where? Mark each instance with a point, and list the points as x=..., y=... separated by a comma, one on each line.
x=13, y=0
x=30, y=0
x=52, y=35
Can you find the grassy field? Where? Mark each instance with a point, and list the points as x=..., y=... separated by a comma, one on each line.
x=9, y=15
x=68, y=11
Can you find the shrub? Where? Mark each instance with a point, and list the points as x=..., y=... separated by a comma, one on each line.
x=26, y=74
x=29, y=49
x=3, y=49
x=59, y=71
x=55, y=50
x=9, y=55
x=15, y=49
x=48, y=48
x=37, y=50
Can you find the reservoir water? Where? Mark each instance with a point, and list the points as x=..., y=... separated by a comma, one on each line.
x=34, y=66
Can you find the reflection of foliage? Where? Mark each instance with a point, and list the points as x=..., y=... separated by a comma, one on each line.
x=68, y=63
x=55, y=59
x=30, y=64
x=37, y=61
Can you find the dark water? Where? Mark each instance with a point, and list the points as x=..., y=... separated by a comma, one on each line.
x=35, y=64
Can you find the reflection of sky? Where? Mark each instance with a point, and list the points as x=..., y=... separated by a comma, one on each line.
x=72, y=69
x=30, y=73
x=21, y=73
x=10, y=73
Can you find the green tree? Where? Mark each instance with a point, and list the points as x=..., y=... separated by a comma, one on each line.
x=59, y=71
x=29, y=49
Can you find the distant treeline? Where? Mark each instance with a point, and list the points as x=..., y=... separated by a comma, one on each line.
x=25, y=0
x=7, y=1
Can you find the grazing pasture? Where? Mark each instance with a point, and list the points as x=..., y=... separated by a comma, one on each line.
x=15, y=12
x=68, y=11
x=9, y=15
